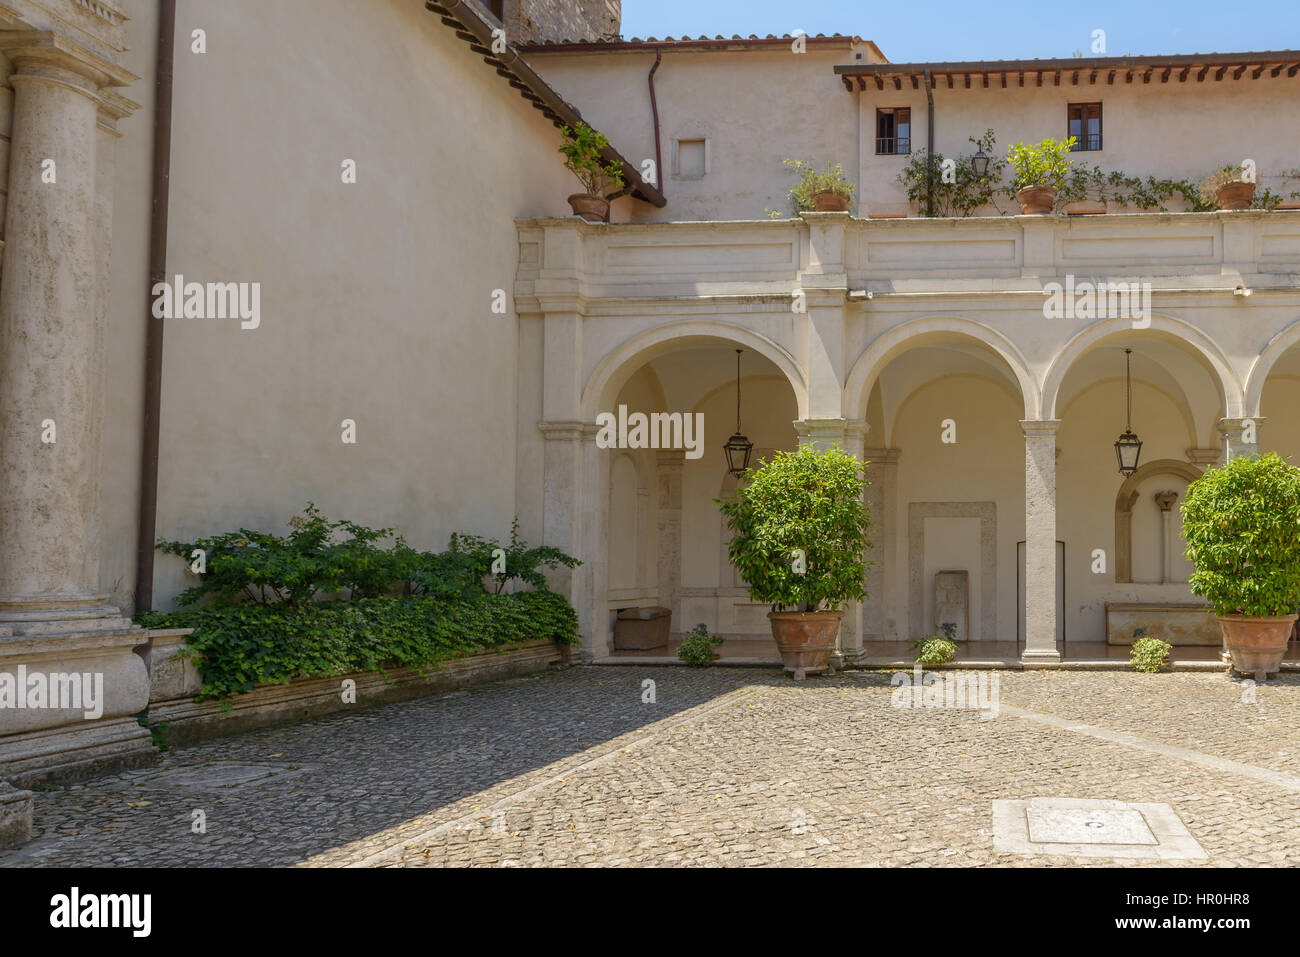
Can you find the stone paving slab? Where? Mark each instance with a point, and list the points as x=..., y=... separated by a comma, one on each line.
x=728, y=767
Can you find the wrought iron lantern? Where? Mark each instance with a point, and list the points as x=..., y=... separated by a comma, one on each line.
x=979, y=163
x=1128, y=448
x=738, y=447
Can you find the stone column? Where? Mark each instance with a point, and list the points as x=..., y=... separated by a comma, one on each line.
x=1165, y=502
x=561, y=526
x=882, y=473
x=1240, y=436
x=1040, y=542
x=52, y=382
x=848, y=435
x=668, y=485
x=52, y=357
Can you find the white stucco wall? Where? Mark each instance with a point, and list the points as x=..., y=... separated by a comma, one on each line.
x=375, y=296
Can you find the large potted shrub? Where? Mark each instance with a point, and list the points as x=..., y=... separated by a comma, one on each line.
x=800, y=529
x=1041, y=171
x=1227, y=189
x=582, y=151
x=821, y=191
x=1242, y=525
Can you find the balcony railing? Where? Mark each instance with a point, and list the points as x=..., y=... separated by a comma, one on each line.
x=1091, y=141
x=893, y=145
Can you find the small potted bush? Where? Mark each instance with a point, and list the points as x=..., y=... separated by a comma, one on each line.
x=825, y=191
x=1149, y=655
x=582, y=156
x=800, y=534
x=1242, y=526
x=1041, y=171
x=697, y=648
x=937, y=649
x=1226, y=189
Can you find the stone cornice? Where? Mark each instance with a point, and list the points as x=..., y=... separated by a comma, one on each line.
x=1039, y=428
x=35, y=50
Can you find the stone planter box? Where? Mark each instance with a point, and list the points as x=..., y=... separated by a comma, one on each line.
x=1179, y=623
x=187, y=721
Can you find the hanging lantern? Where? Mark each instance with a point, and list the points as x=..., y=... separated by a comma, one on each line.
x=1128, y=448
x=979, y=163
x=738, y=447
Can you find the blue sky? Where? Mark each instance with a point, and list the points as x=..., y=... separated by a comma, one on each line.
x=987, y=29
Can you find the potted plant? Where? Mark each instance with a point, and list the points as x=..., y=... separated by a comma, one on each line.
x=824, y=191
x=937, y=650
x=1149, y=655
x=1041, y=171
x=800, y=529
x=697, y=648
x=582, y=151
x=1242, y=526
x=1225, y=188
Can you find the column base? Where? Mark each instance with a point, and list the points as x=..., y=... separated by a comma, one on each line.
x=1040, y=658
x=76, y=752
x=60, y=616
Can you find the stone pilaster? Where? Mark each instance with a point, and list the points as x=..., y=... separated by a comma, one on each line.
x=882, y=473
x=1165, y=502
x=668, y=485
x=1040, y=542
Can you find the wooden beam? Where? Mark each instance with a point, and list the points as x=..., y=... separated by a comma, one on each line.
x=1292, y=71
x=949, y=81
x=968, y=81
x=1218, y=74
x=1276, y=70
x=915, y=85
x=1074, y=80
x=1022, y=77
x=1004, y=81
x=1128, y=76
x=986, y=81
x=848, y=83
x=1164, y=77
x=1092, y=78
x=880, y=84
x=1258, y=71
x=1200, y=77
x=862, y=82
x=1110, y=78
x=1236, y=74
x=1040, y=78
x=1058, y=78
x=898, y=83
x=1182, y=77
x=1146, y=77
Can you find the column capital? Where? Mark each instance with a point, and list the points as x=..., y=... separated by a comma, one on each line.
x=1040, y=428
x=566, y=431
x=48, y=55
x=836, y=430
x=882, y=456
x=1204, y=458
x=1229, y=426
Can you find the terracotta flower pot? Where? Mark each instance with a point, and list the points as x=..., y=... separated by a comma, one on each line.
x=594, y=209
x=830, y=201
x=805, y=639
x=1256, y=644
x=1235, y=195
x=1036, y=199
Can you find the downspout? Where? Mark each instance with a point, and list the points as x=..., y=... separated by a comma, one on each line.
x=929, y=143
x=153, y=349
x=654, y=111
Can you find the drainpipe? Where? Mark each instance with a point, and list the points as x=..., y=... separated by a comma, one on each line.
x=929, y=142
x=654, y=111
x=153, y=349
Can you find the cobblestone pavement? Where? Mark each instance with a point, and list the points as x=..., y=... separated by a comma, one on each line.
x=726, y=767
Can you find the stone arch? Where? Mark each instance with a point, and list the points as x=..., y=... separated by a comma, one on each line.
x=1263, y=365
x=1165, y=327
x=1124, y=501
x=867, y=368
x=615, y=367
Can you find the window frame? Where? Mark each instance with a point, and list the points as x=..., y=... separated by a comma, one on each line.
x=893, y=112
x=1084, y=108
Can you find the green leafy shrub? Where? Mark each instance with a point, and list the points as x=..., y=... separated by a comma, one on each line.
x=1242, y=526
x=806, y=503
x=922, y=176
x=935, y=650
x=582, y=157
x=1040, y=164
x=1148, y=654
x=697, y=647
x=261, y=568
x=812, y=180
x=238, y=647
x=319, y=557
